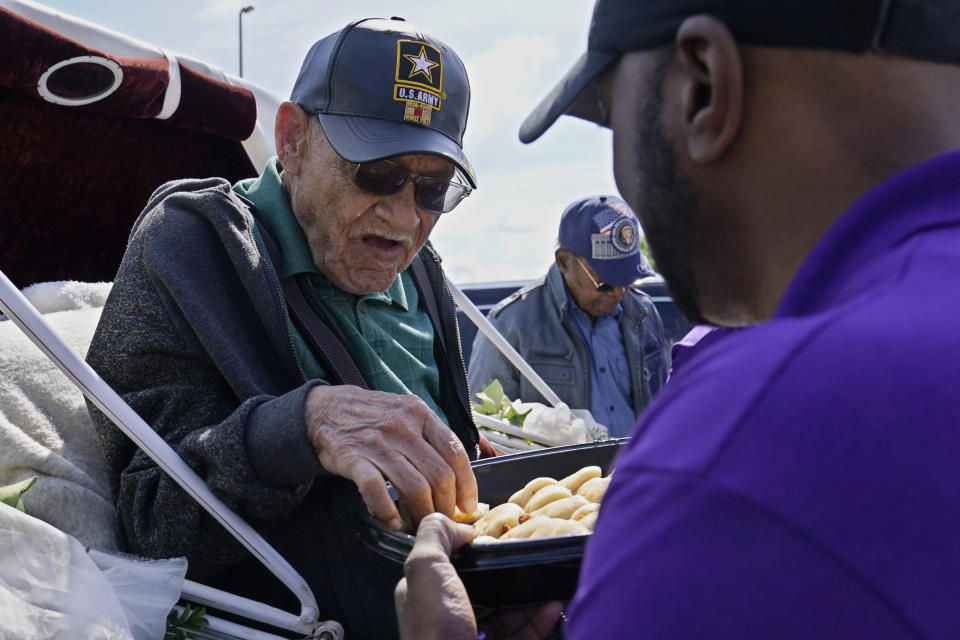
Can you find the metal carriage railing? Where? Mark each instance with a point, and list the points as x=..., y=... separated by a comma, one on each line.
x=21, y=312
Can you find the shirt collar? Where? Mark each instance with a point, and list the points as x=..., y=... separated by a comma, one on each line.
x=917, y=198
x=269, y=196
x=396, y=294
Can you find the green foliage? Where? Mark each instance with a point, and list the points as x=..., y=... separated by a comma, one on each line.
x=11, y=493
x=494, y=402
x=645, y=248
x=178, y=624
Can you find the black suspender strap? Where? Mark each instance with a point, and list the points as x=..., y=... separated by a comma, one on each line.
x=455, y=396
x=321, y=336
x=426, y=293
x=325, y=343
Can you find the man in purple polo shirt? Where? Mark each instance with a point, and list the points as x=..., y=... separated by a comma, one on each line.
x=793, y=165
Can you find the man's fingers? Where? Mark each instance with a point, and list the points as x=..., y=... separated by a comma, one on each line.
x=373, y=489
x=438, y=534
x=414, y=489
x=451, y=450
x=402, y=439
x=428, y=573
x=438, y=473
x=428, y=464
x=400, y=594
x=400, y=602
x=432, y=601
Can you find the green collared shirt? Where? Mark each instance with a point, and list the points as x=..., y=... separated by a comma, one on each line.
x=390, y=338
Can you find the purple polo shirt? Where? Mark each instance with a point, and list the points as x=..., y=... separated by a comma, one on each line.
x=803, y=479
x=696, y=340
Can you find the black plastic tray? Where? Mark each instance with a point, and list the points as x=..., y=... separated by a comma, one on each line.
x=517, y=572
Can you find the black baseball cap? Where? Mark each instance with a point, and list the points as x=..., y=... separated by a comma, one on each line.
x=921, y=29
x=384, y=88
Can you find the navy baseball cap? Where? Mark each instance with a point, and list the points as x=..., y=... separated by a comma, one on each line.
x=384, y=88
x=925, y=30
x=605, y=231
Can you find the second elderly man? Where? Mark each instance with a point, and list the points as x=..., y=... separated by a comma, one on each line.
x=292, y=338
x=593, y=337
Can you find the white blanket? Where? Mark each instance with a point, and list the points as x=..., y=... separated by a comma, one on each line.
x=45, y=429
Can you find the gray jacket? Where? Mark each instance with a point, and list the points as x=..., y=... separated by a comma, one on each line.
x=535, y=320
x=194, y=336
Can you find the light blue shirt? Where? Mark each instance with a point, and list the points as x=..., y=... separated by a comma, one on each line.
x=610, y=384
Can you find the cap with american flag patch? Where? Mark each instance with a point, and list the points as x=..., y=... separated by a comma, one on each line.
x=605, y=231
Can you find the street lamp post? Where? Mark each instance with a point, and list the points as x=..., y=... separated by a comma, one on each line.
x=246, y=9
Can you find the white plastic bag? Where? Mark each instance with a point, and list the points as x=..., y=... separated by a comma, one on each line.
x=50, y=588
x=147, y=589
x=557, y=424
x=596, y=432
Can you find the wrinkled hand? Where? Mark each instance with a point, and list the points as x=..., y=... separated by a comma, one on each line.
x=365, y=435
x=432, y=603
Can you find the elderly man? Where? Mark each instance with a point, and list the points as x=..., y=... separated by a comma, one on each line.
x=794, y=164
x=291, y=336
x=596, y=340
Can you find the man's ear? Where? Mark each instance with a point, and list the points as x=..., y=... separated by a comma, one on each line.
x=290, y=134
x=711, y=86
x=561, y=256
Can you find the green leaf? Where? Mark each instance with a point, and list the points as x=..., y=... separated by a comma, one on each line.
x=516, y=418
x=190, y=618
x=10, y=494
x=487, y=406
x=645, y=248
x=494, y=391
x=493, y=402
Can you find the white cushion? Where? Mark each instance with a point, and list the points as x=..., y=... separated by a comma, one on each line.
x=45, y=429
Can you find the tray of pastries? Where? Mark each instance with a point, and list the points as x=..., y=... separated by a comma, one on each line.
x=536, y=515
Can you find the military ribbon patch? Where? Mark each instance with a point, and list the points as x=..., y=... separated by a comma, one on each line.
x=419, y=80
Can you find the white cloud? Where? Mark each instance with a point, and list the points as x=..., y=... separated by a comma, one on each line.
x=505, y=79
x=210, y=8
x=509, y=232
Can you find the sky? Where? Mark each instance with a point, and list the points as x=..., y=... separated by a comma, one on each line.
x=515, y=51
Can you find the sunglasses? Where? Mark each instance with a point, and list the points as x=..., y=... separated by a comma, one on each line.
x=384, y=177
x=601, y=286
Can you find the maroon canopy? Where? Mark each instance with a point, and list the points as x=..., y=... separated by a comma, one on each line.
x=74, y=178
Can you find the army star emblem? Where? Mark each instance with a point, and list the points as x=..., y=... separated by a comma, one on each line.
x=422, y=64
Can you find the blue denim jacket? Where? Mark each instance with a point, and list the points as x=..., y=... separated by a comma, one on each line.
x=535, y=321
